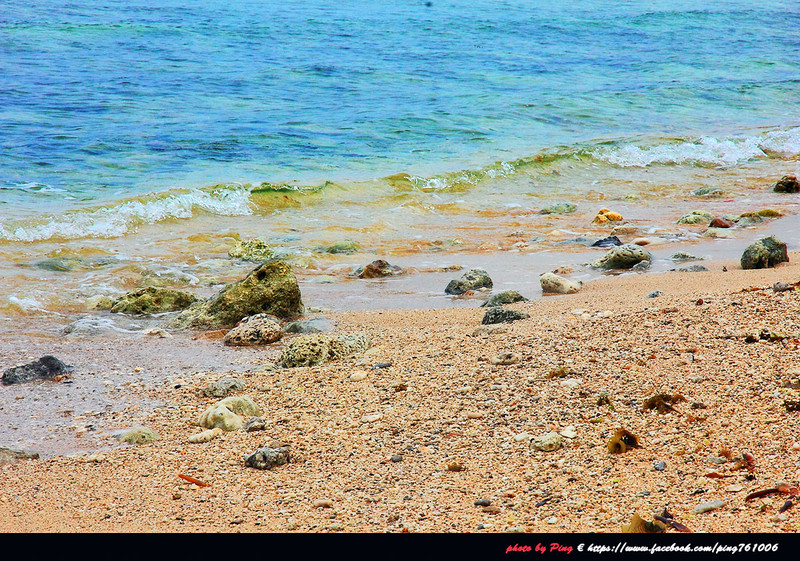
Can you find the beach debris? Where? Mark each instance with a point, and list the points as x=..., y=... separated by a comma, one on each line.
x=260, y=329
x=345, y=248
x=377, y=269
x=787, y=184
x=315, y=349
x=471, y=280
x=783, y=489
x=552, y=283
x=548, y=442
x=669, y=519
x=152, y=300
x=559, y=208
x=708, y=506
x=505, y=358
x=638, y=525
x=622, y=257
x=224, y=387
x=455, y=466
x=610, y=241
x=46, y=368
x=205, y=436
x=764, y=253
x=268, y=458
x=622, y=441
x=663, y=402
x=254, y=249
x=271, y=288
x=194, y=481
x=139, y=435
x=307, y=326
x=505, y=297
x=228, y=413
x=499, y=314
x=695, y=217
x=605, y=216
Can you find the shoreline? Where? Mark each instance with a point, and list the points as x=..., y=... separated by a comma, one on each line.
x=457, y=408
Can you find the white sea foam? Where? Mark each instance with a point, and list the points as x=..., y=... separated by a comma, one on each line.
x=118, y=220
x=705, y=151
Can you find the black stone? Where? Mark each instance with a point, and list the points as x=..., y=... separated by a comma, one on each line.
x=46, y=368
x=501, y=315
x=610, y=241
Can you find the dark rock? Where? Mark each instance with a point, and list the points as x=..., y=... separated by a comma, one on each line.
x=720, y=223
x=787, y=184
x=255, y=424
x=497, y=314
x=610, y=241
x=482, y=502
x=152, y=300
x=622, y=257
x=270, y=289
x=765, y=253
x=316, y=325
x=655, y=294
x=46, y=368
x=690, y=269
x=377, y=269
x=660, y=466
x=268, y=458
x=471, y=280
x=9, y=456
x=506, y=297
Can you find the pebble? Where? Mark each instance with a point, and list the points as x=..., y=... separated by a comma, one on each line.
x=358, y=375
x=548, y=442
x=371, y=418
x=205, y=436
x=483, y=502
x=660, y=466
x=516, y=530
x=522, y=436
x=569, y=432
x=655, y=294
x=322, y=503
x=505, y=358
x=571, y=383
x=473, y=415
x=397, y=458
x=734, y=488
x=778, y=518
x=552, y=520
x=718, y=460
x=796, y=446
x=696, y=379
x=709, y=506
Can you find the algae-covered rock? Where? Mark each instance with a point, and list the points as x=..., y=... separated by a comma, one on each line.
x=708, y=192
x=260, y=329
x=765, y=253
x=69, y=264
x=311, y=350
x=695, y=217
x=139, y=435
x=223, y=387
x=471, y=280
x=622, y=257
x=559, y=208
x=251, y=250
x=268, y=458
x=271, y=289
x=152, y=300
x=346, y=248
x=377, y=269
x=229, y=413
x=498, y=314
x=505, y=297
x=787, y=184
x=555, y=284
x=769, y=213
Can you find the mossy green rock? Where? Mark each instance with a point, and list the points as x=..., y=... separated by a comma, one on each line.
x=560, y=208
x=311, y=350
x=139, y=435
x=252, y=250
x=229, y=414
x=765, y=253
x=152, y=300
x=505, y=297
x=346, y=248
x=269, y=289
x=695, y=217
x=471, y=280
x=787, y=184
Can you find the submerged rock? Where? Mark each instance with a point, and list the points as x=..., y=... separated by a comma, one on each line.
x=766, y=252
x=559, y=208
x=152, y=300
x=505, y=297
x=720, y=223
x=46, y=368
x=271, y=288
x=67, y=264
x=315, y=325
x=346, y=248
x=708, y=192
x=695, y=217
x=497, y=314
x=555, y=284
x=260, y=329
x=787, y=184
x=471, y=280
x=311, y=350
x=690, y=269
x=377, y=269
x=268, y=458
x=228, y=414
x=622, y=257
x=683, y=256
x=252, y=250
x=139, y=435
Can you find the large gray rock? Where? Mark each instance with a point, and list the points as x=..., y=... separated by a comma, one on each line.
x=152, y=300
x=765, y=253
x=622, y=257
x=46, y=368
x=505, y=297
x=497, y=314
x=311, y=350
x=271, y=289
x=471, y=280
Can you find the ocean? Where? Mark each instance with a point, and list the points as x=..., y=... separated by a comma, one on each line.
x=145, y=138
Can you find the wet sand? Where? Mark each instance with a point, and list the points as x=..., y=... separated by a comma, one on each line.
x=447, y=415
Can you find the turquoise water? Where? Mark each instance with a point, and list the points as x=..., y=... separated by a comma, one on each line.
x=101, y=103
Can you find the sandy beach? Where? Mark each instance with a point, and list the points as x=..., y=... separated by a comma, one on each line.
x=425, y=432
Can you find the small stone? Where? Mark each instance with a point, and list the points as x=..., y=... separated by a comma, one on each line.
x=569, y=432
x=552, y=520
x=267, y=458
x=502, y=315
x=655, y=294
x=371, y=418
x=474, y=415
x=397, y=458
x=796, y=446
x=718, y=460
x=259, y=329
x=660, y=466
x=570, y=383
x=358, y=375
x=224, y=387
x=205, y=436
x=554, y=284
x=522, y=436
x=506, y=358
x=709, y=506
x=322, y=503
x=548, y=442
x=506, y=297
x=255, y=424
x=471, y=280
x=734, y=488
x=176, y=496
x=139, y=435
x=778, y=518
x=455, y=466
x=483, y=502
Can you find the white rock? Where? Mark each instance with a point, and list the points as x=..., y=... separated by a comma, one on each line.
x=371, y=418
x=553, y=283
x=205, y=436
x=358, y=375
x=569, y=432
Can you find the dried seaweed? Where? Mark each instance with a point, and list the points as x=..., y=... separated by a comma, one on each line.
x=663, y=402
x=640, y=526
x=782, y=488
x=622, y=441
x=193, y=480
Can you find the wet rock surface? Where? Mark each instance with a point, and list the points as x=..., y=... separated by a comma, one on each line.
x=554, y=284
x=377, y=269
x=766, y=252
x=268, y=458
x=152, y=300
x=787, y=184
x=471, y=280
x=46, y=368
x=625, y=256
x=502, y=315
x=505, y=297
